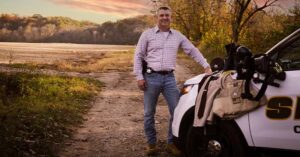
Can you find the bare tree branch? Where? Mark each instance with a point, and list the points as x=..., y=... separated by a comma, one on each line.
x=240, y=19
x=267, y=4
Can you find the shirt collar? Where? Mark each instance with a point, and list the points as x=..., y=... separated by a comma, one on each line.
x=156, y=29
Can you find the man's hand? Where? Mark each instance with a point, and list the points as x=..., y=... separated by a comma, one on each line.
x=208, y=70
x=142, y=85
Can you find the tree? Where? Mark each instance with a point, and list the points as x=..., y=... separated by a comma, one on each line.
x=47, y=31
x=242, y=12
x=194, y=17
x=295, y=15
x=157, y=3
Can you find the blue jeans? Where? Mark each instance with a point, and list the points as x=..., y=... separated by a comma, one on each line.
x=156, y=84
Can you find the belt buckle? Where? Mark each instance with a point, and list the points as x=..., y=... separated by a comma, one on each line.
x=148, y=71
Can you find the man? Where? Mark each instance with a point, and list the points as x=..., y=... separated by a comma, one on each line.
x=158, y=47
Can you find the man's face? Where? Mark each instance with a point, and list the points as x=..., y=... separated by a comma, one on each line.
x=164, y=18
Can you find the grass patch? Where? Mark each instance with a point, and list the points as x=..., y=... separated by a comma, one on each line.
x=37, y=110
x=114, y=61
x=27, y=66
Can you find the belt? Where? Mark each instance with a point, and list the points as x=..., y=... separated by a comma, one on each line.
x=164, y=72
x=149, y=71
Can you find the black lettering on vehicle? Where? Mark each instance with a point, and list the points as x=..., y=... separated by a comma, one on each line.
x=297, y=129
x=279, y=108
x=297, y=113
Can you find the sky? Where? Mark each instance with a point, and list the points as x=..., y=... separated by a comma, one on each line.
x=285, y=4
x=97, y=11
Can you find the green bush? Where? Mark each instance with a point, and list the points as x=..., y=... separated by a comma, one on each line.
x=213, y=43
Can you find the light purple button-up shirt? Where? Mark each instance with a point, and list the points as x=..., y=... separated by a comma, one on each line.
x=160, y=50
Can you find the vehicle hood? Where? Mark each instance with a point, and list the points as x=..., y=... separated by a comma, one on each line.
x=194, y=80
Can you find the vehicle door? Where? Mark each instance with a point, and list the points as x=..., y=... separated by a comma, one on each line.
x=277, y=124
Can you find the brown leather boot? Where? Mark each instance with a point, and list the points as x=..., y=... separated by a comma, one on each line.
x=151, y=150
x=171, y=148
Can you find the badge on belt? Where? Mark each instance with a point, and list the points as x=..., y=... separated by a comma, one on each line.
x=149, y=71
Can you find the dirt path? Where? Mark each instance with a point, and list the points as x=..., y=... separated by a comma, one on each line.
x=114, y=125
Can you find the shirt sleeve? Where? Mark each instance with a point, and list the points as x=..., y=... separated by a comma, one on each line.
x=193, y=52
x=140, y=53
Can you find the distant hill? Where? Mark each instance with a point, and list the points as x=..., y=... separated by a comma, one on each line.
x=36, y=28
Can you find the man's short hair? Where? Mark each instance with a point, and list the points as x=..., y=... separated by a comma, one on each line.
x=163, y=8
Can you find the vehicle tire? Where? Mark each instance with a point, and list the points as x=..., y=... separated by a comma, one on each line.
x=186, y=122
x=222, y=139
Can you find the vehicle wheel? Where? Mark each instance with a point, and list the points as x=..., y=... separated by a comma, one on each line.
x=221, y=140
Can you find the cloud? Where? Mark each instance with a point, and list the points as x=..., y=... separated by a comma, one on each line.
x=123, y=8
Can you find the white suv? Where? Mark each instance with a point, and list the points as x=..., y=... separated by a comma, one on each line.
x=275, y=126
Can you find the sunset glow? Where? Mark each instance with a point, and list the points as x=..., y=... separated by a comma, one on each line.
x=97, y=11
x=123, y=8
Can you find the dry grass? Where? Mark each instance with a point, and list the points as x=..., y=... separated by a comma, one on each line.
x=115, y=61
x=104, y=62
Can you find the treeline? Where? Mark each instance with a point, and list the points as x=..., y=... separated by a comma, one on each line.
x=209, y=24
x=213, y=24
x=37, y=28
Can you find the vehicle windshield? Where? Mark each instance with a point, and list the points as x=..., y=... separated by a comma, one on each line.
x=289, y=57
